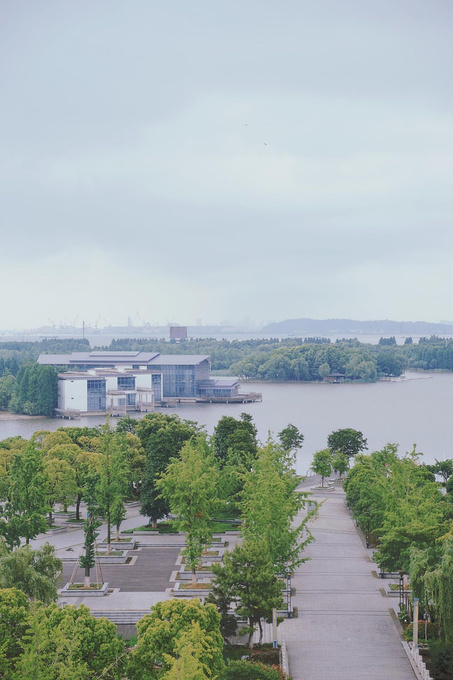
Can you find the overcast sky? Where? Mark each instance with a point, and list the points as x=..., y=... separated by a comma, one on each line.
x=219, y=159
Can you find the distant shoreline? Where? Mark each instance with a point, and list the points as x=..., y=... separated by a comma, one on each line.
x=7, y=415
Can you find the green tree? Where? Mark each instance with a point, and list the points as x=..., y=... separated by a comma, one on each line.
x=36, y=390
x=112, y=487
x=171, y=625
x=439, y=587
x=61, y=484
x=87, y=561
x=190, y=484
x=322, y=464
x=83, y=463
x=24, y=513
x=191, y=649
x=340, y=463
x=7, y=389
x=71, y=637
x=14, y=614
x=34, y=572
x=324, y=370
x=290, y=438
x=235, y=435
x=270, y=503
x=162, y=438
x=247, y=579
x=348, y=441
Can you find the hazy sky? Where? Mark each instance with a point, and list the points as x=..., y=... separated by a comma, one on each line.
x=218, y=159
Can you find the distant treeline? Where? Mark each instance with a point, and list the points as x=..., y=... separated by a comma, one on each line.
x=303, y=358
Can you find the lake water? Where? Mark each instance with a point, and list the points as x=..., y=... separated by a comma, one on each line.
x=416, y=410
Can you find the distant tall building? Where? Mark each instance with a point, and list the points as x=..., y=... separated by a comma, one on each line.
x=178, y=332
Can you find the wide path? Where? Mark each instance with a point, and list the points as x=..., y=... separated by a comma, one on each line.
x=344, y=630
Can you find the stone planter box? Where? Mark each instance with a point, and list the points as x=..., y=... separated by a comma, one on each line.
x=128, y=544
x=112, y=559
x=156, y=533
x=190, y=592
x=211, y=558
x=63, y=515
x=80, y=592
x=76, y=525
x=187, y=575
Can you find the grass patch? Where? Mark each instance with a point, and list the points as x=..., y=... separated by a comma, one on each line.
x=210, y=553
x=80, y=586
x=113, y=553
x=171, y=528
x=162, y=528
x=195, y=586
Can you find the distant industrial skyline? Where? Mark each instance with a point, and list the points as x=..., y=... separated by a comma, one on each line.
x=291, y=326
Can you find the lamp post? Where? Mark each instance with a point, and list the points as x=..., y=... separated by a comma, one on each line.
x=415, y=624
x=401, y=591
x=288, y=595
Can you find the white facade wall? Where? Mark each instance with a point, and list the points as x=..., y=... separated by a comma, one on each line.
x=111, y=383
x=72, y=394
x=143, y=379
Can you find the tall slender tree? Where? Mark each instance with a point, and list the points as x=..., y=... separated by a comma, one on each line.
x=190, y=485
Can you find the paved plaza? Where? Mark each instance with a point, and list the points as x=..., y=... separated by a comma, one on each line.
x=344, y=629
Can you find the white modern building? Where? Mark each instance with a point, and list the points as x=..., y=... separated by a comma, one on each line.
x=107, y=390
x=118, y=382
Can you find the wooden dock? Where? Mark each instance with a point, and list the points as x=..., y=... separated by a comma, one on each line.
x=69, y=413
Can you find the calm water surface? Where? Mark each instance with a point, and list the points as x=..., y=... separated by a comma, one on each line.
x=417, y=410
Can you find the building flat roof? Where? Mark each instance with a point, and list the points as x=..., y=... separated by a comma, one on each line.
x=117, y=358
x=179, y=359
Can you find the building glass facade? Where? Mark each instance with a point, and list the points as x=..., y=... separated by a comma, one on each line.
x=157, y=386
x=179, y=381
x=96, y=395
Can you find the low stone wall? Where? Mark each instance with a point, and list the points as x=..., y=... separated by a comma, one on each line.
x=112, y=559
x=81, y=592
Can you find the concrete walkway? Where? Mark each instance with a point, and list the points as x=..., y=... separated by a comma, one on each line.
x=344, y=630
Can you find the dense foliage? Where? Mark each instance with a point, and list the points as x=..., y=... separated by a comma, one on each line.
x=178, y=638
x=398, y=504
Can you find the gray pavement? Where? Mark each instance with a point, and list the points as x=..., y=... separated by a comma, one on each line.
x=344, y=629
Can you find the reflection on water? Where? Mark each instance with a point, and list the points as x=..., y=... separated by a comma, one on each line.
x=417, y=410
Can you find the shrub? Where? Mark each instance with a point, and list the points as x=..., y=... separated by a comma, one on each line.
x=432, y=631
x=250, y=670
x=441, y=660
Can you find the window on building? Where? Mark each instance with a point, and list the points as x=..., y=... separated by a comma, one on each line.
x=96, y=395
x=126, y=382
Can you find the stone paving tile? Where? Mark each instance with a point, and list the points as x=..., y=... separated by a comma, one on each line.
x=151, y=571
x=344, y=630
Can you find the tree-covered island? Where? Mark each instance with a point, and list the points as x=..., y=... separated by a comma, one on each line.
x=29, y=388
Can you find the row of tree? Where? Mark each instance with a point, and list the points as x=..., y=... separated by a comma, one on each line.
x=34, y=391
x=51, y=469
x=398, y=504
